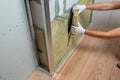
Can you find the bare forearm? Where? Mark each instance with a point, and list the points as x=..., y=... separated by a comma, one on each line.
x=97, y=34
x=103, y=6
x=115, y=33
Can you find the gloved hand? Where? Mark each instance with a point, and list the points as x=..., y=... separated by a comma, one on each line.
x=77, y=29
x=79, y=7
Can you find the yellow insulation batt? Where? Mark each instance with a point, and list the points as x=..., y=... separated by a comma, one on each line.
x=75, y=18
x=62, y=41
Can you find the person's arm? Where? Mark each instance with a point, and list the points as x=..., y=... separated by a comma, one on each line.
x=115, y=33
x=103, y=6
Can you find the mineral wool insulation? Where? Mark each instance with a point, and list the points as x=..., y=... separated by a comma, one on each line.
x=62, y=41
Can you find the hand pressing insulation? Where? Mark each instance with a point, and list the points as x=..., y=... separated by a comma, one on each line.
x=77, y=29
x=80, y=8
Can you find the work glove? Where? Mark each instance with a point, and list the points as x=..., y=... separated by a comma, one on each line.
x=77, y=29
x=80, y=8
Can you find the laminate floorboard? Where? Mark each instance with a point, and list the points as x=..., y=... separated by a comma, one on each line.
x=92, y=59
x=39, y=75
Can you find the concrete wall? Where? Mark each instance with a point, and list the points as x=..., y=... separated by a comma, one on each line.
x=16, y=51
x=115, y=18
x=107, y=18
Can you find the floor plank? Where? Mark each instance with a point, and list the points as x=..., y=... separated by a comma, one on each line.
x=92, y=59
x=38, y=75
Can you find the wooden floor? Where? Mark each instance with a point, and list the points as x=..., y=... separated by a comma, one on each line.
x=92, y=59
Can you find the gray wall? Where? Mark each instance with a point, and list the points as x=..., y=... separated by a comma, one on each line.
x=16, y=51
x=106, y=18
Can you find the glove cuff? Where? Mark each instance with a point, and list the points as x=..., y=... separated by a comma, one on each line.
x=84, y=6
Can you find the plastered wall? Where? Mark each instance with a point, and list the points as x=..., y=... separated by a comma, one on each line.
x=63, y=41
x=16, y=50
